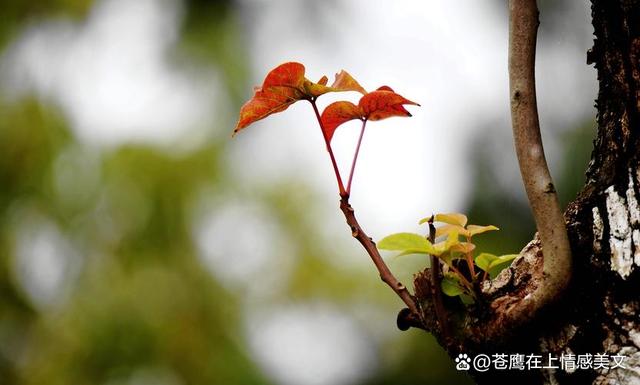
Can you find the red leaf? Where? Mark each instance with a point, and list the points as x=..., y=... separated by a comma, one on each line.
x=282, y=87
x=377, y=105
x=384, y=103
x=285, y=75
x=285, y=85
x=336, y=114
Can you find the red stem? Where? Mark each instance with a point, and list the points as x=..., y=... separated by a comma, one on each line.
x=343, y=192
x=355, y=156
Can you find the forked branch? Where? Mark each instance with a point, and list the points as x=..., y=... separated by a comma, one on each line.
x=523, y=27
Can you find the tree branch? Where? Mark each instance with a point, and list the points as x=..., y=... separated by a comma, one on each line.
x=436, y=291
x=385, y=274
x=523, y=27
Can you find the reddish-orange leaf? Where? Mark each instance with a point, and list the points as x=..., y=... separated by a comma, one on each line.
x=336, y=114
x=285, y=85
x=346, y=82
x=384, y=103
x=380, y=104
x=282, y=87
x=265, y=103
x=285, y=75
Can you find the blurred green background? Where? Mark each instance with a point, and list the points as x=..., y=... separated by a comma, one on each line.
x=143, y=263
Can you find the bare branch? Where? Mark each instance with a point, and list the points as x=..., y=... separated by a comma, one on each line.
x=523, y=27
x=436, y=291
x=385, y=274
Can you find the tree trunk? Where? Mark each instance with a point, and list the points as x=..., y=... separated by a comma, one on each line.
x=600, y=312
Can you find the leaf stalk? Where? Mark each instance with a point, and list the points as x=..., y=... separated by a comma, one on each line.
x=355, y=156
x=341, y=188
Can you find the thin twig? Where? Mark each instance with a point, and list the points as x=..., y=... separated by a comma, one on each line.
x=523, y=27
x=329, y=149
x=355, y=156
x=470, y=263
x=436, y=291
x=385, y=274
x=356, y=231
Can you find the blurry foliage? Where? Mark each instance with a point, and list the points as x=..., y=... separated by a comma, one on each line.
x=16, y=13
x=143, y=302
x=213, y=31
x=577, y=147
x=422, y=362
x=148, y=192
x=491, y=203
x=143, y=306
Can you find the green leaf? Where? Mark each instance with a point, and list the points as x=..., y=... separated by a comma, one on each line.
x=500, y=263
x=446, y=229
x=463, y=248
x=405, y=267
x=452, y=240
x=445, y=257
x=408, y=243
x=467, y=299
x=456, y=251
x=412, y=251
x=451, y=285
x=425, y=220
x=475, y=229
x=484, y=260
x=452, y=219
x=442, y=249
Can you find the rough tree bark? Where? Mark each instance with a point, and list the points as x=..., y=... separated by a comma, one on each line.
x=600, y=310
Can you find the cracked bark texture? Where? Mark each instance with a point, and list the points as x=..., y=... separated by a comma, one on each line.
x=600, y=312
